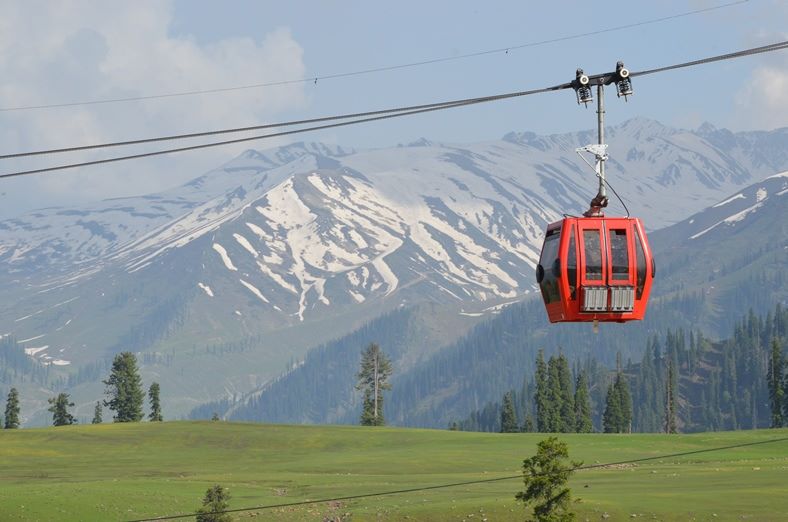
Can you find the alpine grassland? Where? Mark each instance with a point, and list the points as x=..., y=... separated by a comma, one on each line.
x=134, y=471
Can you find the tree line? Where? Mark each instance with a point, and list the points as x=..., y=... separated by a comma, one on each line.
x=683, y=382
x=562, y=402
x=124, y=392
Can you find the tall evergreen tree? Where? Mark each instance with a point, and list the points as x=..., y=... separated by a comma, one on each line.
x=508, y=415
x=611, y=419
x=583, y=422
x=618, y=407
x=528, y=424
x=372, y=380
x=554, y=396
x=541, y=396
x=12, y=410
x=97, y=413
x=670, y=399
x=785, y=397
x=776, y=384
x=625, y=400
x=124, y=388
x=567, y=405
x=59, y=409
x=155, y=404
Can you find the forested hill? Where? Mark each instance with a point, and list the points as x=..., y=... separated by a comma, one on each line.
x=720, y=385
x=443, y=385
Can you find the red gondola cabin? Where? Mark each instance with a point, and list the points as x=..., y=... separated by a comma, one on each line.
x=595, y=269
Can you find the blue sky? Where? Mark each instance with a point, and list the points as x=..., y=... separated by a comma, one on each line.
x=76, y=50
x=343, y=36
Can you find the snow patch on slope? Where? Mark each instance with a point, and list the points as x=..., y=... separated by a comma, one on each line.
x=225, y=257
x=254, y=290
x=33, y=351
x=732, y=198
x=245, y=244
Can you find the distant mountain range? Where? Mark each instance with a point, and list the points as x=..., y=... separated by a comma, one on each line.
x=714, y=268
x=224, y=283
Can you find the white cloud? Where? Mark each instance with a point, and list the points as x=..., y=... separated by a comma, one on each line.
x=763, y=102
x=59, y=52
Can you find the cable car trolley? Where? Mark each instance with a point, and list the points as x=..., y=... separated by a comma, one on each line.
x=596, y=268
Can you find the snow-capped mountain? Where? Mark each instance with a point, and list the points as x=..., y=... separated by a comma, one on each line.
x=739, y=242
x=736, y=214
x=281, y=249
x=712, y=268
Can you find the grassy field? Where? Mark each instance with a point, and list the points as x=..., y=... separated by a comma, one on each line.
x=133, y=471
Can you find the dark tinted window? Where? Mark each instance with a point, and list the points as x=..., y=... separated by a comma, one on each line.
x=593, y=254
x=571, y=264
x=619, y=254
x=640, y=261
x=549, y=284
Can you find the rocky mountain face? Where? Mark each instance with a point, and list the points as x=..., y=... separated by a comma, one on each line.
x=223, y=283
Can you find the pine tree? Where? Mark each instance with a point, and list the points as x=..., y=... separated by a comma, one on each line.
x=541, y=396
x=785, y=398
x=625, y=404
x=215, y=501
x=611, y=419
x=97, y=414
x=124, y=387
x=567, y=409
x=155, y=404
x=776, y=384
x=554, y=396
x=583, y=422
x=618, y=407
x=670, y=400
x=12, y=410
x=59, y=409
x=508, y=416
x=372, y=377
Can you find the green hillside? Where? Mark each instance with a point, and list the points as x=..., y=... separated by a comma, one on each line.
x=132, y=471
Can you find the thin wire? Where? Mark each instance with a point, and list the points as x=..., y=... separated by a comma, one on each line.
x=465, y=101
x=738, y=54
x=482, y=99
x=619, y=197
x=276, y=134
x=379, y=69
x=430, y=108
x=466, y=483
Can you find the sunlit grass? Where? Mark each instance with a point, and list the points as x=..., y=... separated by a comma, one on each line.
x=129, y=471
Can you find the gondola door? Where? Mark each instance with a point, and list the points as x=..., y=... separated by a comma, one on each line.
x=593, y=266
x=620, y=269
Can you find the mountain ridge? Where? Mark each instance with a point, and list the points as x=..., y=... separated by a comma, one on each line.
x=303, y=243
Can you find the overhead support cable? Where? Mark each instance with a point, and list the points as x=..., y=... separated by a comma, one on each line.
x=360, y=72
x=377, y=115
x=272, y=135
x=405, y=109
x=738, y=54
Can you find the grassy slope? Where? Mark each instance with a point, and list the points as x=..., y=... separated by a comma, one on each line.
x=121, y=472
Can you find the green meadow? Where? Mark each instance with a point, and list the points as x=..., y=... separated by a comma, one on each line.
x=134, y=471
